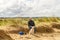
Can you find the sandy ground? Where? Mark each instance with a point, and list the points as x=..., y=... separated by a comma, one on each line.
x=32, y=37
x=37, y=36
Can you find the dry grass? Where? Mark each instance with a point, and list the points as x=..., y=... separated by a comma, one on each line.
x=41, y=29
x=4, y=36
x=18, y=29
x=56, y=25
x=15, y=25
x=44, y=29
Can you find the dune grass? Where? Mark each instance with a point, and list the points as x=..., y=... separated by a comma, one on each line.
x=4, y=36
x=56, y=25
x=23, y=21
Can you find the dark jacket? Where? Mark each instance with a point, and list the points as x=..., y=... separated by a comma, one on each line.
x=31, y=23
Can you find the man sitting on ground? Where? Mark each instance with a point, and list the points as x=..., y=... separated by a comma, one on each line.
x=31, y=24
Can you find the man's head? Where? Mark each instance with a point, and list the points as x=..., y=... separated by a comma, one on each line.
x=30, y=18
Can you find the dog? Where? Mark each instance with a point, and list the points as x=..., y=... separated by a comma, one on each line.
x=32, y=30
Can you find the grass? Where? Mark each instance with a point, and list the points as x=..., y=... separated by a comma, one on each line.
x=4, y=36
x=44, y=29
x=56, y=25
x=23, y=21
x=40, y=29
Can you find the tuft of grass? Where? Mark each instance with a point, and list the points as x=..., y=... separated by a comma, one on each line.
x=13, y=25
x=56, y=25
x=44, y=29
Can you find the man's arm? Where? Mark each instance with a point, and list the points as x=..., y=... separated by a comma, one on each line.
x=33, y=23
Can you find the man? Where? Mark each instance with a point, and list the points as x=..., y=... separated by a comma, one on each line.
x=31, y=24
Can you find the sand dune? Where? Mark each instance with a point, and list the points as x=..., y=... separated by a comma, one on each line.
x=13, y=33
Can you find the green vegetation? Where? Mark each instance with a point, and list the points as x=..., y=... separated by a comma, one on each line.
x=23, y=21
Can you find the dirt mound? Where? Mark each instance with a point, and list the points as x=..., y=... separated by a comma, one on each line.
x=4, y=36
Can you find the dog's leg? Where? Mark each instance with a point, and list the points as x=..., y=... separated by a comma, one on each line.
x=31, y=31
